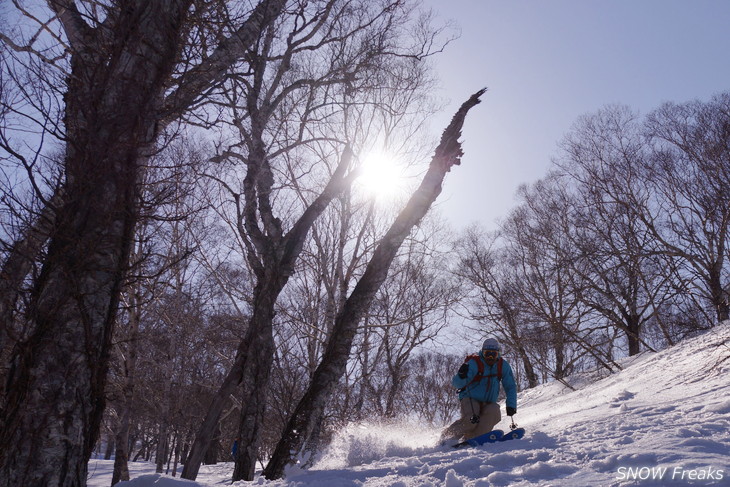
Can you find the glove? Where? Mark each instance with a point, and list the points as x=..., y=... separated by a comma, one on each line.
x=511, y=411
x=463, y=371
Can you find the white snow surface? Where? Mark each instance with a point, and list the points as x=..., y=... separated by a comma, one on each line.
x=664, y=420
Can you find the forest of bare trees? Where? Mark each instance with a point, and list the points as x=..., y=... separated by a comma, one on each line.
x=622, y=247
x=187, y=260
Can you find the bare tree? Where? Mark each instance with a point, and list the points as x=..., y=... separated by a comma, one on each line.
x=291, y=127
x=428, y=390
x=538, y=248
x=623, y=274
x=119, y=92
x=690, y=172
x=634, y=213
x=493, y=300
x=160, y=273
x=409, y=310
x=332, y=367
x=341, y=242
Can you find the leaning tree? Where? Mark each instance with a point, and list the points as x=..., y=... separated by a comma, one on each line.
x=334, y=361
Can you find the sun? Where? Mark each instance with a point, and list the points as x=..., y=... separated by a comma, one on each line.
x=382, y=176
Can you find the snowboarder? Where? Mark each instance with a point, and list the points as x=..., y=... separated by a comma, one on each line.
x=478, y=382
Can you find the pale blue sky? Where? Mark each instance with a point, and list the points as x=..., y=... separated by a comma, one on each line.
x=546, y=62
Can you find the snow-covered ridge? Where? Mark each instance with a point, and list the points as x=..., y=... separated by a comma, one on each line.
x=661, y=421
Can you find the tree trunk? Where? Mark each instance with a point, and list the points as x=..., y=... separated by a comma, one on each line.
x=15, y=269
x=177, y=455
x=514, y=335
x=163, y=438
x=314, y=442
x=558, y=343
x=256, y=383
x=121, y=458
x=219, y=401
x=720, y=297
x=121, y=469
x=633, y=328
x=333, y=365
x=393, y=393
x=109, y=451
x=56, y=386
x=211, y=453
x=532, y=380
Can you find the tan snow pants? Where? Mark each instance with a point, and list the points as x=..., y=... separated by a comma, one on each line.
x=464, y=429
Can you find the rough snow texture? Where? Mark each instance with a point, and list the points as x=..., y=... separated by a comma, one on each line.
x=662, y=421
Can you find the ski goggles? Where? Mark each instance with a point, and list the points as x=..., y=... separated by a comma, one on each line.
x=490, y=353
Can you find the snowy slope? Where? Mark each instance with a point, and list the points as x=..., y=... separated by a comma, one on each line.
x=662, y=421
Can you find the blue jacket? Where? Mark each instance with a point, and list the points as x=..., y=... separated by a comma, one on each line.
x=487, y=389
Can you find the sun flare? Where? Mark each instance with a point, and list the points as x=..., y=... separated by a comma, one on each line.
x=382, y=176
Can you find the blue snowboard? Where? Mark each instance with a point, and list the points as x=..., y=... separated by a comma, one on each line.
x=490, y=437
x=493, y=437
x=515, y=434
